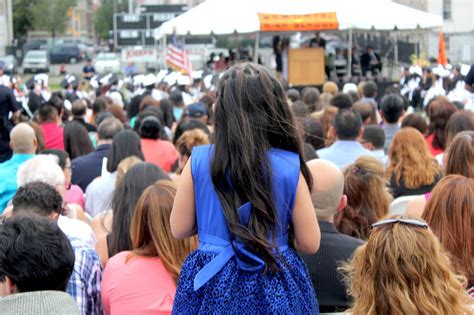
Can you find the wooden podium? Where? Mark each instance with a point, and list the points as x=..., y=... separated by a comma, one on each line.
x=306, y=66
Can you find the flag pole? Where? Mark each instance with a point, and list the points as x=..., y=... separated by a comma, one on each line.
x=257, y=47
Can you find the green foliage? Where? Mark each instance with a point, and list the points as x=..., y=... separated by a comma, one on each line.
x=22, y=17
x=104, y=17
x=45, y=15
x=51, y=15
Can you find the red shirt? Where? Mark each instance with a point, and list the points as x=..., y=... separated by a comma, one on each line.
x=159, y=152
x=434, y=151
x=53, y=136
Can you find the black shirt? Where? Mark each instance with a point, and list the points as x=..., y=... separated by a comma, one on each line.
x=400, y=190
x=7, y=102
x=335, y=248
x=8, y=105
x=469, y=80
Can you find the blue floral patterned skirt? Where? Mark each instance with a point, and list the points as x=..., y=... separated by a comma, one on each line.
x=233, y=290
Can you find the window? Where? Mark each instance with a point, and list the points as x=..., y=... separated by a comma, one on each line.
x=447, y=9
x=131, y=18
x=128, y=34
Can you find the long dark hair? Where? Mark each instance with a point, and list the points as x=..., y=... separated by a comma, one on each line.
x=125, y=143
x=76, y=140
x=124, y=200
x=252, y=116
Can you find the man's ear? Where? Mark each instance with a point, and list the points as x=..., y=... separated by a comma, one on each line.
x=54, y=216
x=10, y=286
x=342, y=203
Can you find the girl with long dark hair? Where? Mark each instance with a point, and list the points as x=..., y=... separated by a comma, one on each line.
x=248, y=199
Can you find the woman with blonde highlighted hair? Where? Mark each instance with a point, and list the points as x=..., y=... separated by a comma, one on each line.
x=367, y=197
x=412, y=169
x=403, y=269
x=143, y=280
x=450, y=214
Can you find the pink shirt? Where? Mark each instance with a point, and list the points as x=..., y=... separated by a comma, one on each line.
x=53, y=136
x=75, y=195
x=159, y=152
x=139, y=286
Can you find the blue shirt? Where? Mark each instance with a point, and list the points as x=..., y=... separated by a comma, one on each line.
x=343, y=153
x=84, y=283
x=8, y=184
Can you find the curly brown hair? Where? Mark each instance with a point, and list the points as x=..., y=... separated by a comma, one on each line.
x=403, y=269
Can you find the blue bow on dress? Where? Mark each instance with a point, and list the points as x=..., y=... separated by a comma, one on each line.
x=246, y=260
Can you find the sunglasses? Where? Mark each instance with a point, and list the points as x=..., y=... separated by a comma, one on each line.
x=404, y=221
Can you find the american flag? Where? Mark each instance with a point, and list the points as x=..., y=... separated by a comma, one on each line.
x=177, y=58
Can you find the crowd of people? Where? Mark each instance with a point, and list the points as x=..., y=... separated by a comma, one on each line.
x=237, y=195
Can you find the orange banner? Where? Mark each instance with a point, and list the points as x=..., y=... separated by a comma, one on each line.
x=298, y=22
x=442, y=58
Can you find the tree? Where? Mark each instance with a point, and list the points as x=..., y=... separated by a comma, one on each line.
x=104, y=17
x=22, y=17
x=51, y=15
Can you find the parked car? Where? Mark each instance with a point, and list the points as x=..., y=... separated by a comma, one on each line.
x=107, y=63
x=34, y=44
x=8, y=63
x=36, y=61
x=65, y=54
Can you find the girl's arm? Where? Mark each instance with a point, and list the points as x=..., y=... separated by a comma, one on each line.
x=305, y=224
x=183, y=214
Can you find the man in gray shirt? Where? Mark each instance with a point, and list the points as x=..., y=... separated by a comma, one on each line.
x=392, y=109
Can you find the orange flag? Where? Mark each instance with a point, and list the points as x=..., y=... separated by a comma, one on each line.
x=442, y=59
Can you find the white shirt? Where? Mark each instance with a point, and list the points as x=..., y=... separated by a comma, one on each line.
x=99, y=194
x=77, y=229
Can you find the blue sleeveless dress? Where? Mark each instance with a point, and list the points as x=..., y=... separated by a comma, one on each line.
x=223, y=276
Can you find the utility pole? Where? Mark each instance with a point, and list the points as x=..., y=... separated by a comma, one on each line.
x=115, y=25
x=130, y=6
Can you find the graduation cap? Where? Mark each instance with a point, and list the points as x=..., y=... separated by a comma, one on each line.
x=149, y=80
x=184, y=80
x=171, y=78
x=41, y=78
x=197, y=75
x=69, y=79
x=465, y=69
x=416, y=69
x=109, y=79
x=161, y=75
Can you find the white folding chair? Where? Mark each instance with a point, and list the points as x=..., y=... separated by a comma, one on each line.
x=399, y=205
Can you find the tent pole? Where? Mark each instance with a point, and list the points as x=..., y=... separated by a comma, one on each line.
x=349, y=57
x=257, y=47
x=395, y=52
x=163, y=52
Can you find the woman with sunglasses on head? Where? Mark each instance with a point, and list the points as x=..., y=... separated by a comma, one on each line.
x=403, y=269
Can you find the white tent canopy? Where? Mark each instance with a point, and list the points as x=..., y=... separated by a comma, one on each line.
x=221, y=17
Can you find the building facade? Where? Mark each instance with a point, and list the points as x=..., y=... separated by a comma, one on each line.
x=6, y=25
x=458, y=28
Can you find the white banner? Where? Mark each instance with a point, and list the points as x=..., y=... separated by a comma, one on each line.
x=140, y=55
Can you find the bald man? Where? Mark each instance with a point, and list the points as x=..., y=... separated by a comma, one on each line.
x=23, y=144
x=328, y=198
